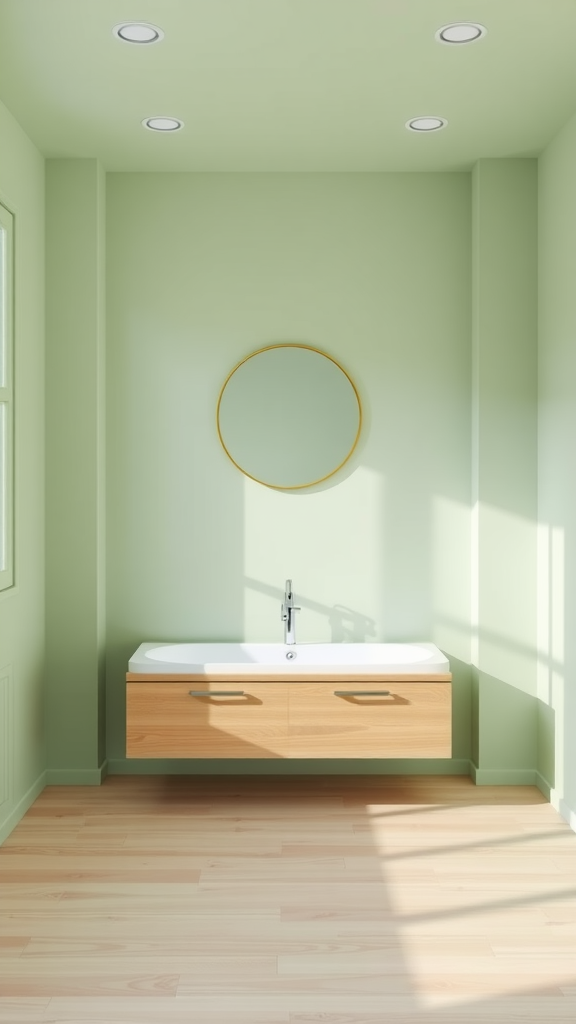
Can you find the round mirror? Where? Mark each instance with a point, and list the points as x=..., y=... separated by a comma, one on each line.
x=289, y=416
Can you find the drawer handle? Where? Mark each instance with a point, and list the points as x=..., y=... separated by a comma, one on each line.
x=362, y=693
x=216, y=693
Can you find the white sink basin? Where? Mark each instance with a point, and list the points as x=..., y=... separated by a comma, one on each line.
x=261, y=659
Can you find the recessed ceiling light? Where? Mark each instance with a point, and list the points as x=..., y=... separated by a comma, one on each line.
x=163, y=124
x=426, y=124
x=138, y=32
x=461, y=32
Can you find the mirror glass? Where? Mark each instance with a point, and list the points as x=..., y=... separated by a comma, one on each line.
x=289, y=416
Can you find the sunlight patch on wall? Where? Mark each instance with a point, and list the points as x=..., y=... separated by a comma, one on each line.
x=551, y=613
x=451, y=586
x=551, y=626
x=504, y=546
x=474, y=602
x=329, y=542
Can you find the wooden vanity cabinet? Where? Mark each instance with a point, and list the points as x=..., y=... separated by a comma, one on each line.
x=328, y=717
x=368, y=719
x=206, y=719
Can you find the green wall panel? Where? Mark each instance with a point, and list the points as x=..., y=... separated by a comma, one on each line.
x=504, y=470
x=204, y=268
x=75, y=464
x=557, y=483
x=22, y=629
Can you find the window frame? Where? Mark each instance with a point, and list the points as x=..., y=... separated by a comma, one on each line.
x=7, y=498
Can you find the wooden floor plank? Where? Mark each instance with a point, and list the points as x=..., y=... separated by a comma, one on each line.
x=164, y=900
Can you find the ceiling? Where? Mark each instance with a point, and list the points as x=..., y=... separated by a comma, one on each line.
x=288, y=85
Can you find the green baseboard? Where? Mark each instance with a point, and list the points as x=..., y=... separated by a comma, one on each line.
x=296, y=766
x=503, y=776
x=559, y=804
x=543, y=785
x=11, y=820
x=76, y=776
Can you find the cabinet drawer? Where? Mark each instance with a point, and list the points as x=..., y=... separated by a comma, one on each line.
x=372, y=719
x=207, y=719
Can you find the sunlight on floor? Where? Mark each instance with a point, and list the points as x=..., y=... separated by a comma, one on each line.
x=484, y=896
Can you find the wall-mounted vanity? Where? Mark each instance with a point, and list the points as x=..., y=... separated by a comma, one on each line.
x=288, y=416
x=281, y=701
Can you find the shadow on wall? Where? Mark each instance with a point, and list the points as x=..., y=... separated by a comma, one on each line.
x=498, y=644
x=546, y=733
x=346, y=624
x=515, y=728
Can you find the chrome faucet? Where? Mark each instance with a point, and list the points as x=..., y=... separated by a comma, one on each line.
x=288, y=616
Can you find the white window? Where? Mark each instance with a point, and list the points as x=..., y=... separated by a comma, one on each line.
x=6, y=400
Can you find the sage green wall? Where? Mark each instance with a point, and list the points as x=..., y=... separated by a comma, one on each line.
x=75, y=206
x=22, y=746
x=204, y=268
x=504, y=469
x=557, y=481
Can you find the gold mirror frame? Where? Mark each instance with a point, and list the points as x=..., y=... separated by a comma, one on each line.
x=311, y=483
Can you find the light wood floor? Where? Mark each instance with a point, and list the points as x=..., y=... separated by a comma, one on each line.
x=288, y=901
